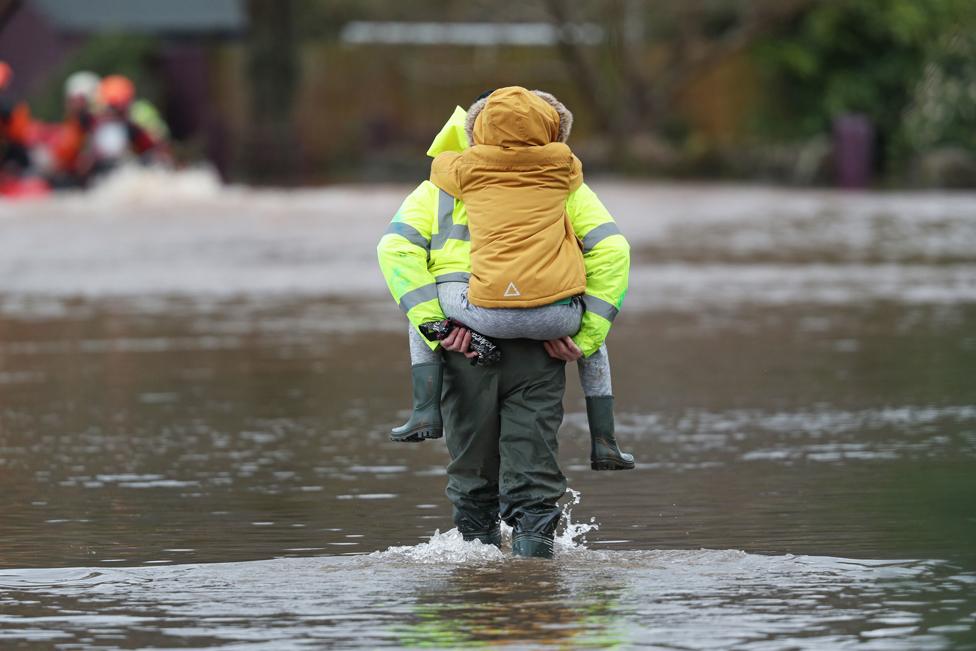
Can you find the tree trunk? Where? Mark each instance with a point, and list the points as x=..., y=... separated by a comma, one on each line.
x=272, y=149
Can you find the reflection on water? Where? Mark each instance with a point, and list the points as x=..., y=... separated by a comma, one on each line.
x=675, y=599
x=194, y=406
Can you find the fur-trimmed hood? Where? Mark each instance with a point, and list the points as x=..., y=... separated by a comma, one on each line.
x=514, y=116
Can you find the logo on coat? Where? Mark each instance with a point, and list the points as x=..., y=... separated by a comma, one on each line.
x=512, y=291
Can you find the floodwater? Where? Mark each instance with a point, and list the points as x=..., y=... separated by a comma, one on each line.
x=196, y=385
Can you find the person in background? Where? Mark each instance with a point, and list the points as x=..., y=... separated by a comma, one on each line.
x=72, y=161
x=15, y=125
x=128, y=126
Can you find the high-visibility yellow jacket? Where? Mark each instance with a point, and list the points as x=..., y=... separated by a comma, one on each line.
x=428, y=243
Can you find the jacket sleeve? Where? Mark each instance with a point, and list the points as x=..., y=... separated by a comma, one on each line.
x=443, y=173
x=606, y=256
x=403, y=251
x=575, y=174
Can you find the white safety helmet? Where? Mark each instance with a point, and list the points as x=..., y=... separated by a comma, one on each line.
x=82, y=84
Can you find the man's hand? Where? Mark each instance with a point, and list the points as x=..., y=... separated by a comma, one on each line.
x=458, y=342
x=563, y=348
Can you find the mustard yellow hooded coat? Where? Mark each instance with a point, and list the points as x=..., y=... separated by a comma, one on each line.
x=515, y=181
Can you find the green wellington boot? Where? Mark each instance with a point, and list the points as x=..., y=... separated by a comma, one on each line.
x=532, y=545
x=425, y=421
x=604, y=452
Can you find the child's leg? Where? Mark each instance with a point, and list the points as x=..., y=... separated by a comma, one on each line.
x=542, y=323
x=594, y=373
x=427, y=372
x=420, y=352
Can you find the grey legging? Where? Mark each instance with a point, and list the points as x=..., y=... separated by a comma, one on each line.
x=542, y=323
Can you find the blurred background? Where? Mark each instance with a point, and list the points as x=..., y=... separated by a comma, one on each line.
x=200, y=361
x=854, y=93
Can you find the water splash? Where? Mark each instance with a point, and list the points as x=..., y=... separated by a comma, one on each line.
x=447, y=547
x=566, y=537
x=450, y=546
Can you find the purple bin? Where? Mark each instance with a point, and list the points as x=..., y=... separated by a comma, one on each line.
x=853, y=150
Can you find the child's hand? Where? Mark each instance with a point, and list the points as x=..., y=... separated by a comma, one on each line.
x=458, y=342
x=563, y=348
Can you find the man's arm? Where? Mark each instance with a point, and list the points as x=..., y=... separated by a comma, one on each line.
x=403, y=251
x=606, y=256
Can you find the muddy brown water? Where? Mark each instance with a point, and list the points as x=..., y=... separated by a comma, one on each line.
x=194, y=404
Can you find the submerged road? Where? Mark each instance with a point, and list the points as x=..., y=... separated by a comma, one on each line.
x=196, y=385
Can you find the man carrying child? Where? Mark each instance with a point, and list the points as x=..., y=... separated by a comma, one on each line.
x=501, y=419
